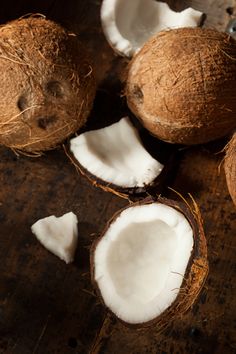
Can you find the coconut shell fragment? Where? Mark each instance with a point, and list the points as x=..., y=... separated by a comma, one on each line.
x=187, y=226
x=181, y=85
x=127, y=25
x=47, y=84
x=115, y=159
x=230, y=168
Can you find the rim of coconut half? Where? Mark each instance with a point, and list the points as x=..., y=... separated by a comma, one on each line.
x=230, y=167
x=128, y=24
x=143, y=175
x=191, y=282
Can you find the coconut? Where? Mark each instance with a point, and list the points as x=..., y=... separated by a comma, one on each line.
x=150, y=263
x=47, y=87
x=115, y=159
x=127, y=25
x=230, y=167
x=181, y=85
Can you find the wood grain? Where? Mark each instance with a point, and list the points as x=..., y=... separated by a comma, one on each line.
x=49, y=307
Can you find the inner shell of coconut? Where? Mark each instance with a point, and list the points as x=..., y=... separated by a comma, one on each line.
x=140, y=262
x=129, y=24
x=115, y=155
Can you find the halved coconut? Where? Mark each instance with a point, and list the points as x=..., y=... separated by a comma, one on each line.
x=151, y=262
x=127, y=25
x=115, y=159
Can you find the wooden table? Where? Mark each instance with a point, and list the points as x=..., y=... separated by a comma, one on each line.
x=49, y=307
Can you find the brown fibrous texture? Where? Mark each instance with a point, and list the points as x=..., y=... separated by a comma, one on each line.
x=196, y=272
x=47, y=84
x=230, y=167
x=181, y=85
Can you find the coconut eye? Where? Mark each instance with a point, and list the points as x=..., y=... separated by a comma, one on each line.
x=45, y=122
x=55, y=89
x=22, y=103
x=231, y=28
x=138, y=93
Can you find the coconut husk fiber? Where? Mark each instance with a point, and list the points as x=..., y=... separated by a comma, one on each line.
x=181, y=85
x=47, y=84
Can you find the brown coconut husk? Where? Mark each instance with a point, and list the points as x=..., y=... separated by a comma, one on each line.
x=181, y=85
x=47, y=84
x=194, y=277
x=230, y=167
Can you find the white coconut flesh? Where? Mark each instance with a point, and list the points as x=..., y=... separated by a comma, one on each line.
x=129, y=24
x=116, y=155
x=59, y=235
x=140, y=262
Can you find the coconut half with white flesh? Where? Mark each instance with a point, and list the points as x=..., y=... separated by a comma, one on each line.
x=127, y=25
x=150, y=263
x=115, y=159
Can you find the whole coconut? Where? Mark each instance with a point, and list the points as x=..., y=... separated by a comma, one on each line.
x=230, y=167
x=182, y=85
x=47, y=84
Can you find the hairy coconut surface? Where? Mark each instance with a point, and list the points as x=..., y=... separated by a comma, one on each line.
x=150, y=262
x=47, y=84
x=230, y=167
x=181, y=85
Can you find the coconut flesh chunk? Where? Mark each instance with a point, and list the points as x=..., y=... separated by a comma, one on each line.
x=140, y=262
x=129, y=24
x=58, y=234
x=116, y=155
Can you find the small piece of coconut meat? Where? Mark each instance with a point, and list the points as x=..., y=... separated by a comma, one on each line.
x=129, y=24
x=116, y=155
x=58, y=234
x=141, y=260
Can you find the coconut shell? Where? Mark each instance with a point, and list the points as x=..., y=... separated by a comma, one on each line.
x=130, y=193
x=47, y=84
x=195, y=275
x=181, y=85
x=230, y=167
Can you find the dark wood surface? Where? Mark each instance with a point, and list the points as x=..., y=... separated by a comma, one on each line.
x=49, y=307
